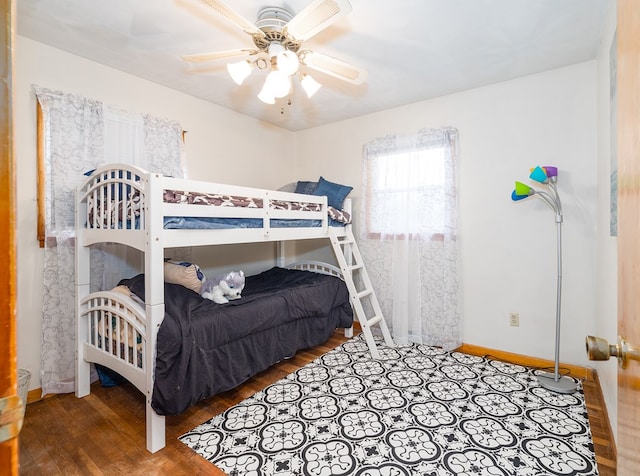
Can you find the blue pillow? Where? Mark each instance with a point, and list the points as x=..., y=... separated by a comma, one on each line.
x=335, y=192
x=112, y=175
x=108, y=377
x=306, y=187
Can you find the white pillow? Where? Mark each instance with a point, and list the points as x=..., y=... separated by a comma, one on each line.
x=290, y=187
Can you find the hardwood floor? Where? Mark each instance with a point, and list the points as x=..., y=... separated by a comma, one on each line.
x=603, y=443
x=104, y=432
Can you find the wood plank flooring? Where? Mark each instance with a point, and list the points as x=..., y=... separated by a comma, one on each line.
x=104, y=432
x=603, y=443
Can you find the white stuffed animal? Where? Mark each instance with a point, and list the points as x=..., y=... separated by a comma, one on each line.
x=224, y=287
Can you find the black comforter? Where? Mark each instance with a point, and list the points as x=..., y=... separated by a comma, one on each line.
x=205, y=348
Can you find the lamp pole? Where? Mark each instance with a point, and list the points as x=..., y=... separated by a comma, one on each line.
x=556, y=370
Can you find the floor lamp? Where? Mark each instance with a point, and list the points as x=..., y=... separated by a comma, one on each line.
x=548, y=176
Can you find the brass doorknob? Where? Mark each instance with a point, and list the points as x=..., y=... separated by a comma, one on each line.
x=599, y=349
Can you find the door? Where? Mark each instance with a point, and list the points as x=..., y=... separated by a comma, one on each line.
x=629, y=230
x=8, y=377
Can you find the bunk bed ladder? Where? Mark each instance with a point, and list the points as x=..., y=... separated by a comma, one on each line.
x=352, y=266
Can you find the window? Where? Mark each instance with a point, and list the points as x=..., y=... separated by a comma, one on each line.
x=408, y=235
x=73, y=139
x=122, y=133
x=410, y=185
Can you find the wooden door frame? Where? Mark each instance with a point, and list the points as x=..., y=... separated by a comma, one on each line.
x=628, y=74
x=8, y=371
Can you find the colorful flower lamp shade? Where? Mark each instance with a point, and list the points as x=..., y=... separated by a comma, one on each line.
x=521, y=192
x=548, y=177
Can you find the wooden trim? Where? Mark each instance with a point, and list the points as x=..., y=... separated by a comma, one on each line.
x=628, y=180
x=35, y=395
x=41, y=174
x=574, y=370
x=8, y=353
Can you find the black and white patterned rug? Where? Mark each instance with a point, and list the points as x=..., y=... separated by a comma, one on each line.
x=417, y=411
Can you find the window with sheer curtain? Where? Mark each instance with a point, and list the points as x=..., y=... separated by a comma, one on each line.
x=409, y=233
x=77, y=135
x=399, y=183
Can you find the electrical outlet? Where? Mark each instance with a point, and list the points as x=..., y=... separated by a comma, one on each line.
x=514, y=319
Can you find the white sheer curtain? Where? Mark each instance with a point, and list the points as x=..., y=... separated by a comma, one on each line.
x=409, y=234
x=124, y=143
x=148, y=142
x=80, y=135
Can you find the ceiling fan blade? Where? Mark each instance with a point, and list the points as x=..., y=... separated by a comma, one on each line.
x=333, y=67
x=233, y=16
x=202, y=57
x=315, y=17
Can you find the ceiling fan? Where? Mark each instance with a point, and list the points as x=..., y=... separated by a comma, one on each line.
x=278, y=36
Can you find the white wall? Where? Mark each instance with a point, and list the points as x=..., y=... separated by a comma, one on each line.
x=508, y=249
x=221, y=146
x=607, y=283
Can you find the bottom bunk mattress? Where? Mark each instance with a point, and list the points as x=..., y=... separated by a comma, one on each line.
x=204, y=348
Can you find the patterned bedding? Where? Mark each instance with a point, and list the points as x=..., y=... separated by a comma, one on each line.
x=125, y=213
x=219, y=200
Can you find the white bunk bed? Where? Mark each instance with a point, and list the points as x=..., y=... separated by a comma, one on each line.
x=120, y=203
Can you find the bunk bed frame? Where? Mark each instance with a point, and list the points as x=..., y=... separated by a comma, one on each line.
x=123, y=204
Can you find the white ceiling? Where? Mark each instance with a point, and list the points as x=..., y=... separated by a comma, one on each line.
x=412, y=49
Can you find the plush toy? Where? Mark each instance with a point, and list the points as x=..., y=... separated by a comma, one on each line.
x=224, y=287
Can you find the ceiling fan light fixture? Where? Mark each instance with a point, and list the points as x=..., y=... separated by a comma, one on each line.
x=265, y=95
x=309, y=85
x=278, y=35
x=288, y=62
x=275, y=48
x=278, y=83
x=239, y=71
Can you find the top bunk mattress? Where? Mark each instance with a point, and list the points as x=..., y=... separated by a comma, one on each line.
x=336, y=217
